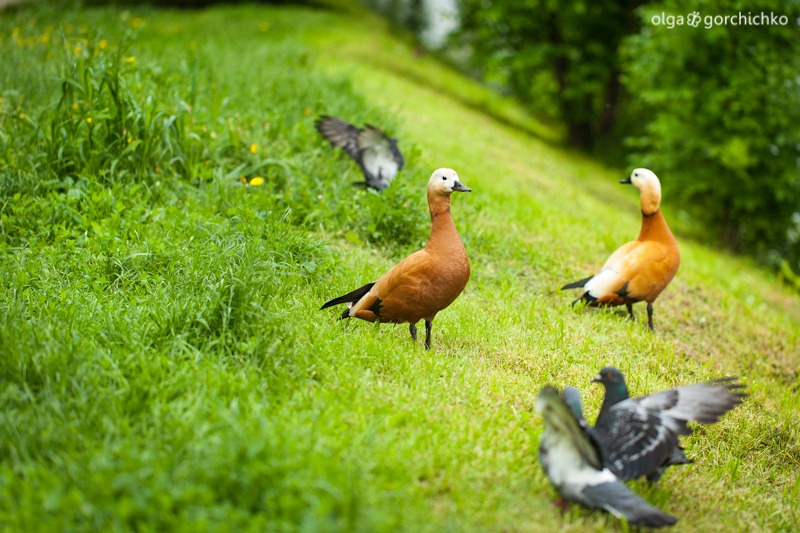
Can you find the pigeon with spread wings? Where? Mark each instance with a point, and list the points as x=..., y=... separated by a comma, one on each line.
x=573, y=461
x=376, y=154
x=639, y=436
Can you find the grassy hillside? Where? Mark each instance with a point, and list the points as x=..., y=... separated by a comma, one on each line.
x=165, y=365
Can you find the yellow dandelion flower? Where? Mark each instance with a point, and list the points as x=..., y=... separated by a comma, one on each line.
x=253, y=148
x=307, y=111
x=45, y=38
x=130, y=140
x=136, y=22
x=243, y=180
x=89, y=120
x=130, y=60
x=258, y=180
x=263, y=25
x=75, y=106
x=78, y=50
x=158, y=170
x=102, y=44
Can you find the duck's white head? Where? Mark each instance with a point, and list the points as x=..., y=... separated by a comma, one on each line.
x=444, y=181
x=649, y=187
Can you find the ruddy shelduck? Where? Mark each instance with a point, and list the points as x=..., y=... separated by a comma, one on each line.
x=425, y=282
x=639, y=270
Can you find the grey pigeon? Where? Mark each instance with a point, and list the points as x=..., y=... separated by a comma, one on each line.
x=572, y=460
x=376, y=154
x=573, y=400
x=639, y=436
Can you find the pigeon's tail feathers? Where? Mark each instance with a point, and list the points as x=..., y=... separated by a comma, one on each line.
x=349, y=298
x=706, y=402
x=678, y=457
x=616, y=498
x=576, y=284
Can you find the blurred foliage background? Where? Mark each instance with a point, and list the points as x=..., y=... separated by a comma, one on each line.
x=711, y=105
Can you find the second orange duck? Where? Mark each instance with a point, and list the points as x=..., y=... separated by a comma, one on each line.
x=639, y=270
x=425, y=282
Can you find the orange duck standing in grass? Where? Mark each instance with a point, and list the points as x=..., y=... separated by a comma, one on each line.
x=639, y=270
x=425, y=282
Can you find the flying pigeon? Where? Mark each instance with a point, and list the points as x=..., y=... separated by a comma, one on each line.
x=376, y=154
x=639, y=436
x=573, y=462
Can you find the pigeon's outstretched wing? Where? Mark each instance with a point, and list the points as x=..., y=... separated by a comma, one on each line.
x=572, y=460
x=377, y=155
x=341, y=134
x=639, y=436
x=702, y=402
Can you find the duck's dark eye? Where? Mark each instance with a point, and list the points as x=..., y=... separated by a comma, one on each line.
x=444, y=178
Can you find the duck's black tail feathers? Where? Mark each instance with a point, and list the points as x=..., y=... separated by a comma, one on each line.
x=576, y=284
x=351, y=297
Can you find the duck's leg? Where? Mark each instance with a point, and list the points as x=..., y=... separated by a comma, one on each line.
x=428, y=328
x=629, y=307
x=650, y=316
x=413, y=329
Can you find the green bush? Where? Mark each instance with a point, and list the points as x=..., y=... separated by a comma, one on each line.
x=720, y=109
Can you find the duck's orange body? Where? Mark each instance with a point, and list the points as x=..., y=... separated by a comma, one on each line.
x=425, y=282
x=639, y=270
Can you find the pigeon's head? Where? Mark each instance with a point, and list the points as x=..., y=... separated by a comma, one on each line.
x=649, y=186
x=611, y=378
x=444, y=181
x=572, y=397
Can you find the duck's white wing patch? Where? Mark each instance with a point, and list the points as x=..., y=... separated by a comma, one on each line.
x=605, y=282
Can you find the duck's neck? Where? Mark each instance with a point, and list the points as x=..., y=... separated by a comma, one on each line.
x=654, y=228
x=443, y=229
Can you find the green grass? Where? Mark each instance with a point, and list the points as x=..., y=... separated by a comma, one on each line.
x=164, y=363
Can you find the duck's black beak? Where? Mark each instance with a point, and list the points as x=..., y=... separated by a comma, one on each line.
x=460, y=187
x=626, y=181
